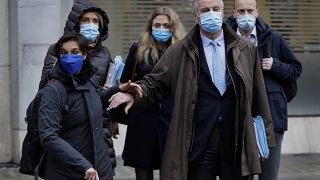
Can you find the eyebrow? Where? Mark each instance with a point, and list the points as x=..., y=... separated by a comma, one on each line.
x=70, y=50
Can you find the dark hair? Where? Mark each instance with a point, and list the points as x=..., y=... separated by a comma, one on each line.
x=72, y=36
x=79, y=39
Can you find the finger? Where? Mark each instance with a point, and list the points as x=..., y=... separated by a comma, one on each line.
x=139, y=90
x=92, y=176
x=128, y=106
x=127, y=85
x=114, y=97
x=111, y=98
x=265, y=68
x=89, y=176
x=86, y=176
x=97, y=177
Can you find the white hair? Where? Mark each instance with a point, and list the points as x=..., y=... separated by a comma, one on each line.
x=195, y=5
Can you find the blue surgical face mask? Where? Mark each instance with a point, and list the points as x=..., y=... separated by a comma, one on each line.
x=161, y=35
x=71, y=63
x=246, y=22
x=90, y=31
x=211, y=21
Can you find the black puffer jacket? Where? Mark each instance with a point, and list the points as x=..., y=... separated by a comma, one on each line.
x=100, y=55
x=74, y=142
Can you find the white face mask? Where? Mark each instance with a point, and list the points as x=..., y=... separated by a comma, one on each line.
x=246, y=22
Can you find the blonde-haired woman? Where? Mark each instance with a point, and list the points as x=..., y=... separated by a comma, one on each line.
x=148, y=126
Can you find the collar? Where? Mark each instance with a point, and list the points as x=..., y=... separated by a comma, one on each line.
x=253, y=32
x=206, y=41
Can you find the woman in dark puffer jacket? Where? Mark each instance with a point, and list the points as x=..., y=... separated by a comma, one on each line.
x=92, y=22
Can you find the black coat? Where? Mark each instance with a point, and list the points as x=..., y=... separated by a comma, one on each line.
x=74, y=142
x=285, y=67
x=147, y=126
x=100, y=56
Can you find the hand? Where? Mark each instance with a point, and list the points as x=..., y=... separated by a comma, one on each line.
x=114, y=129
x=131, y=87
x=267, y=63
x=91, y=174
x=121, y=98
x=263, y=159
x=106, y=87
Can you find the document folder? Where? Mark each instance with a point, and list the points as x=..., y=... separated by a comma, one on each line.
x=261, y=137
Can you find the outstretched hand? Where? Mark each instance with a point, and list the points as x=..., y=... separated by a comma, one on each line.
x=121, y=98
x=131, y=87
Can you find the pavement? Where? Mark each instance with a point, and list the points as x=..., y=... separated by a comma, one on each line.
x=293, y=167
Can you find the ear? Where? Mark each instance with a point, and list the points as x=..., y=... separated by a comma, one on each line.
x=234, y=14
x=196, y=18
x=84, y=56
x=222, y=14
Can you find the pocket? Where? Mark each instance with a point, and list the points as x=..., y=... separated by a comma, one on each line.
x=278, y=108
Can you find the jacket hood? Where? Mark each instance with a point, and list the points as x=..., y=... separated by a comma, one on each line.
x=263, y=29
x=81, y=7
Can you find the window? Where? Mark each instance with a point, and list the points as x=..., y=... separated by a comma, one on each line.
x=296, y=20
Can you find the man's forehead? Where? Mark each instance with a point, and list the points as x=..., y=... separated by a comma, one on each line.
x=243, y=4
x=209, y=3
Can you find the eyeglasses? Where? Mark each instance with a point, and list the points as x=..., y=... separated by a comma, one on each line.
x=243, y=11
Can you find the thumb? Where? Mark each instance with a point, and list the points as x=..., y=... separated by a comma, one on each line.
x=128, y=106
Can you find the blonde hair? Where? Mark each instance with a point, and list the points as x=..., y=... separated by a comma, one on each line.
x=148, y=45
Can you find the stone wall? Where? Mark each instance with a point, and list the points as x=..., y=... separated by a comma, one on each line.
x=302, y=136
x=39, y=23
x=5, y=124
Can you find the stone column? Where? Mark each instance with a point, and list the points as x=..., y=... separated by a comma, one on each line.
x=5, y=125
x=39, y=23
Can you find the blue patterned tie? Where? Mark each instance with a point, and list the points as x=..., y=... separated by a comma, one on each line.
x=219, y=69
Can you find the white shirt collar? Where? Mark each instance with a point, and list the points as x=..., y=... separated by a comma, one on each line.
x=206, y=41
x=252, y=37
x=253, y=32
